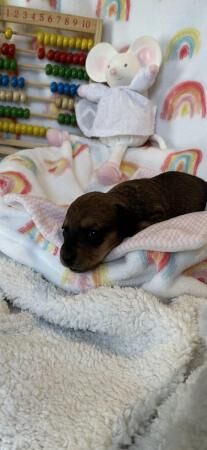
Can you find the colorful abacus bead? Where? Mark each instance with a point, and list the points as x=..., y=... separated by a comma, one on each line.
x=41, y=53
x=66, y=58
x=67, y=119
x=9, y=111
x=8, y=50
x=5, y=80
x=9, y=64
x=8, y=33
x=20, y=128
x=64, y=103
x=64, y=41
x=17, y=82
x=66, y=72
x=69, y=89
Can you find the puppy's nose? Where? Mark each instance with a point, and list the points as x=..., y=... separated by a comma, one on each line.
x=113, y=71
x=66, y=258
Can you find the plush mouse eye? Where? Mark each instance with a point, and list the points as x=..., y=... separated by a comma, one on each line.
x=108, y=66
x=125, y=65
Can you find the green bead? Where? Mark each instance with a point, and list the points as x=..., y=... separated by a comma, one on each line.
x=61, y=71
x=67, y=119
x=48, y=69
x=73, y=120
x=61, y=119
x=7, y=111
x=80, y=74
x=20, y=113
x=13, y=64
x=14, y=112
x=74, y=73
x=1, y=111
x=68, y=73
x=55, y=70
x=1, y=63
x=26, y=113
x=85, y=76
x=6, y=64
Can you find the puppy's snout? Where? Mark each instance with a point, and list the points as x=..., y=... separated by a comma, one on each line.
x=67, y=258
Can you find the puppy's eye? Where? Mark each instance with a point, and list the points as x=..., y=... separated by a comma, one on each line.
x=125, y=65
x=92, y=235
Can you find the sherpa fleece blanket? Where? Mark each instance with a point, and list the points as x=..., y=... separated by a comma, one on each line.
x=104, y=370
x=167, y=259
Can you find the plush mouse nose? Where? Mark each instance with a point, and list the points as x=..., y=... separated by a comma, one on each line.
x=113, y=71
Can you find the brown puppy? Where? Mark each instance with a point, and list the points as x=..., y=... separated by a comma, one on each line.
x=96, y=222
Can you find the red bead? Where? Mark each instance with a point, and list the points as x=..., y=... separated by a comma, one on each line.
x=11, y=50
x=5, y=48
x=41, y=53
x=50, y=55
x=63, y=57
x=69, y=58
x=57, y=57
x=82, y=59
x=76, y=58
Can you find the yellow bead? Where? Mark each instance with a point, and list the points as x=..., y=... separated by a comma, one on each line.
x=90, y=43
x=8, y=33
x=71, y=42
x=78, y=43
x=9, y=96
x=84, y=44
x=36, y=131
x=12, y=127
x=16, y=96
x=64, y=103
x=23, y=97
x=53, y=39
x=30, y=130
x=70, y=103
x=5, y=126
x=65, y=41
x=23, y=129
x=2, y=96
x=18, y=128
x=60, y=40
x=46, y=39
x=40, y=37
x=58, y=102
x=1, y=125
x=42, y=131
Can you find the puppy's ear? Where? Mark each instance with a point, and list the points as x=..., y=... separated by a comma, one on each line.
x=127, y=220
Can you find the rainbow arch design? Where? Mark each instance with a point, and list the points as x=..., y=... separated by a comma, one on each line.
x=184, y=44
x=186, y=99
x=30, y=230
x=183, y=161
x=198, y=271
x=114, y=9
x=13, y=181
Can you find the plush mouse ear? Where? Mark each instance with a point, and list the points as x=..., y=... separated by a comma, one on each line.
x=147, y=51
x=97, y=61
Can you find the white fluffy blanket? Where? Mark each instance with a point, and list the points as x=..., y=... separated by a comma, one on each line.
x=97, y=375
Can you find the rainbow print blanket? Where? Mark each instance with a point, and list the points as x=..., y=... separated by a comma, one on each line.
x=167, y=259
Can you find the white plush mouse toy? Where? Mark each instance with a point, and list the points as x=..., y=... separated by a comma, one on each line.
x=120, y=114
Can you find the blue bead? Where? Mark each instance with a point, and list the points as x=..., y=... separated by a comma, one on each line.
x=53, y=87
x=21, y=82
x=60, y=88
x=73, y=89
x=67, y=89
x=14, y=82
x=0, y=79
x=5, y=80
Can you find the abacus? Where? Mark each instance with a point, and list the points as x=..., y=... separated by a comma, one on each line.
x=42, y=64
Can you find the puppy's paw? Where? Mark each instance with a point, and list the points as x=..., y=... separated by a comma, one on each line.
x=108, y=174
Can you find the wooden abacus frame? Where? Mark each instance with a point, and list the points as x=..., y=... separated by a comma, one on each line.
x=41, y=19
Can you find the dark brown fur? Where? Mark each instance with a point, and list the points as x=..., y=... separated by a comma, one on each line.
x=96, y=222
